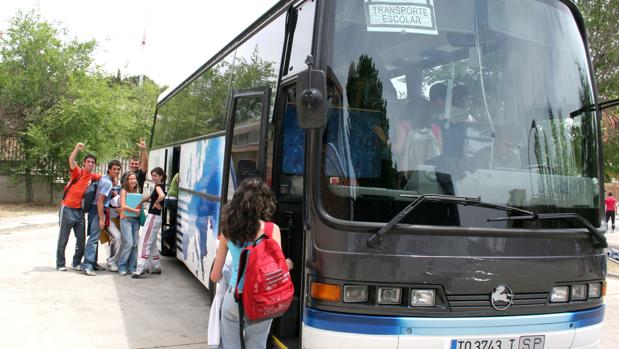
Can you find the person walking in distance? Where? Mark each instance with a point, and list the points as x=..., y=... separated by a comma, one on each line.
x=71, y=213
x=611, y=208
x=148, y=250
x=98, y=215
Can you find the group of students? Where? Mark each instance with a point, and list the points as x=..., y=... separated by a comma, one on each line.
x=130, y=252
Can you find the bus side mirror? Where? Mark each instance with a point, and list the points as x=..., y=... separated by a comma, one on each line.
x=311, y=101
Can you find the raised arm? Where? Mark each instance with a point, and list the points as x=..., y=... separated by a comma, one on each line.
x=143, y=155
x=72, y=163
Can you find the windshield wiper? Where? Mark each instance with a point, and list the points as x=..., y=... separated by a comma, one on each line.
x=597, y=106
x=597, y=237
x=377, y=237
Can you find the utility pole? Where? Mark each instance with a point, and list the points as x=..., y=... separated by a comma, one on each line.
x=143, y=54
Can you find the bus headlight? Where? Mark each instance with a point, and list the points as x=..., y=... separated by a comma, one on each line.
x=579, y=292
x=355, y=294
x=422, y=298
x=560, y=294
x=595, y=290
x=389, y=295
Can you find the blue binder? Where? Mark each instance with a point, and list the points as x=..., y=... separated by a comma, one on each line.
x=132, y=200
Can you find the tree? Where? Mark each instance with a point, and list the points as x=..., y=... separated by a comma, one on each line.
x=109, y=117
x=603, y=35
x=37, y=68
x=51, y=97
x=136, y=105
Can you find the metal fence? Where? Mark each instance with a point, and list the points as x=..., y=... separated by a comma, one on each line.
x=10, y=149
x=102, y=165
x=12, y=152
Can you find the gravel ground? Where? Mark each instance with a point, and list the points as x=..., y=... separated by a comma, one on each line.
x=18, y=210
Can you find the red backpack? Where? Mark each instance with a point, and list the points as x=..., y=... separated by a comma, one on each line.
x=268, y=290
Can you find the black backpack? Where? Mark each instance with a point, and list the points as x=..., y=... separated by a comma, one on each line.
x=89, y=196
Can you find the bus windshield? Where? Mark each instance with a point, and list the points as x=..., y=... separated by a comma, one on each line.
x=467, y=98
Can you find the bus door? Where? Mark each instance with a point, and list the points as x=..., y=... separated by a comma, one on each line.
x=246, y=138
x=169, y=214
x=288, y=182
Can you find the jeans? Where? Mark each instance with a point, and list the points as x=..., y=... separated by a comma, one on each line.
x=70, y=218
x=90, y=255
x=129, y=229
x=255, y=334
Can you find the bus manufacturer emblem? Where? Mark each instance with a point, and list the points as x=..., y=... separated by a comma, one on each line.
x=502, y=297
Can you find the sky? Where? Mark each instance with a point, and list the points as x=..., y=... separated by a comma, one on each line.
x=180, y=34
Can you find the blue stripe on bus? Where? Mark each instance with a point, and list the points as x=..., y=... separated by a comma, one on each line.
x=470, y=326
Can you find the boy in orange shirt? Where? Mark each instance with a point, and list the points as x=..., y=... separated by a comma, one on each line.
x=71, y=213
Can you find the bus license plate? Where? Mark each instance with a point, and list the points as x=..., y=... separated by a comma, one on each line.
x=524, y=342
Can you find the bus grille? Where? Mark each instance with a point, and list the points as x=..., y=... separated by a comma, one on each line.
x=481, y=302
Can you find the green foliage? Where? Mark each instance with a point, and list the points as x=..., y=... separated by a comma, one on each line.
x=364, y=88
x=611, y=157
x=37, y=67
x=51, y=97
x=200, y=108
x=602, y=24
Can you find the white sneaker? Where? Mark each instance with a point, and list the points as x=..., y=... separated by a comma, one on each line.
x=112, y=267
x=89, y=272
x=77, y=267
x=138, y=274
x=61, y=269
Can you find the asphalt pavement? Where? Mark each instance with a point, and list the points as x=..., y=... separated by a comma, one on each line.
x=41, y=307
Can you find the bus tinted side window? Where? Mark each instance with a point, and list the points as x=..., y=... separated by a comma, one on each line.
x=199, y=109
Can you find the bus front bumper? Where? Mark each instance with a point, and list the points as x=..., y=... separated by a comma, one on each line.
x=327, y=330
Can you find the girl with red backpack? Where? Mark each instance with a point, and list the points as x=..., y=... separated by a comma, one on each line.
x=245, y=219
